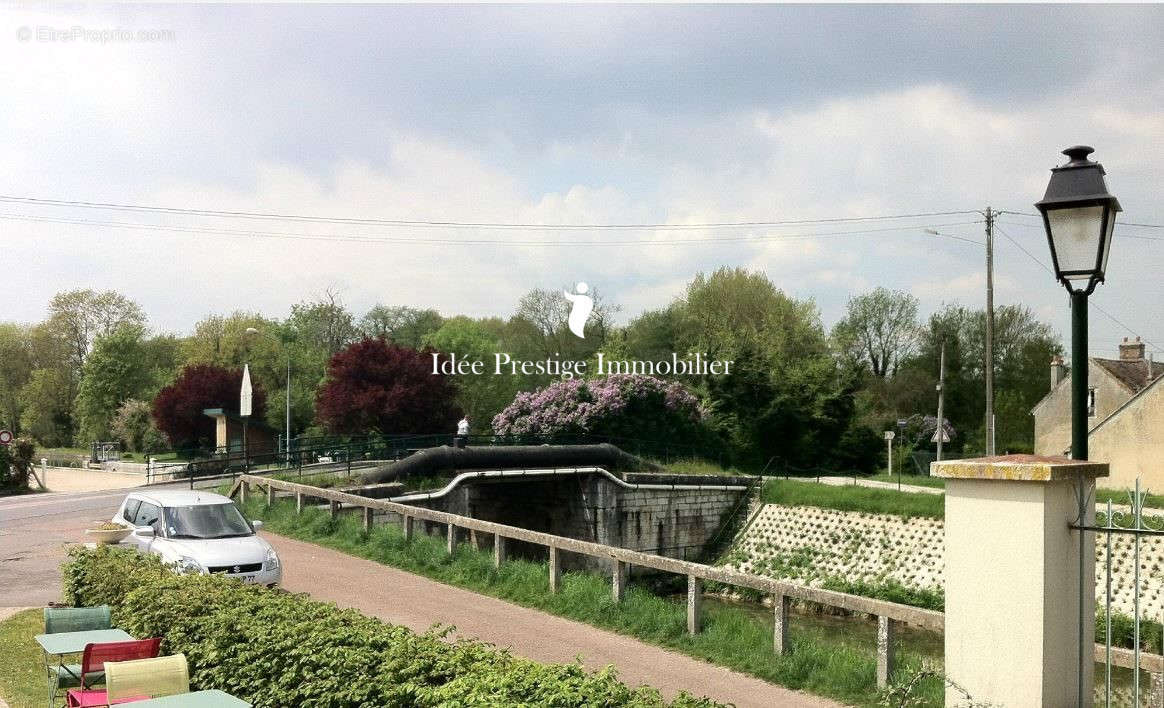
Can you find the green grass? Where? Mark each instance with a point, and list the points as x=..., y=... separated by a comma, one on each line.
x=1123, y=496
x=22, y=678
x=696, y=466
x=916, y=480
x=854, y=498
x=821, y=662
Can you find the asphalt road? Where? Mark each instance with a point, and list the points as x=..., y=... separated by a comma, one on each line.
x=35, y=529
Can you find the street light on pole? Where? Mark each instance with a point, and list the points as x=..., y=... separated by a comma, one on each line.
x=287, y=419
x=1079, y=216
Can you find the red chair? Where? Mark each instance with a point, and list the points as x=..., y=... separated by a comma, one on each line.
x=94, y=659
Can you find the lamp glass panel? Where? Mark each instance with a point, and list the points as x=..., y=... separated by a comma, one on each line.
x=1111, y=217
x=1075, y=233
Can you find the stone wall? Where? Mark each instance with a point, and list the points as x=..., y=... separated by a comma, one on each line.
x=589, y=506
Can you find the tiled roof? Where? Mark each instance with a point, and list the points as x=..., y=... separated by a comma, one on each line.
x=1133, y=374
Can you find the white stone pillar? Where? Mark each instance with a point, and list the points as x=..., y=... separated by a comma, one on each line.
x=1012, y=579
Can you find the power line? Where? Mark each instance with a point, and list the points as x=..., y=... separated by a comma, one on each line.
x=457, y=224
x=1102, y=311
x=245, y=233
x=1118, y=223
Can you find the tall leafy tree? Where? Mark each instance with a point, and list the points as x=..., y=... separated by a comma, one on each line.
x=480, y=396
x=324, y=324
x=178, y=408
x=46, y=415
x=114, y=372
x=80, y=316
x=374, y=386
x=406, y=326
x=880, y=329
x=16, y=367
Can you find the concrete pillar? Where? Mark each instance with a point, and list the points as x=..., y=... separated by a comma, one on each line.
x=555, y=569
x=44, y=473
x=886, y=661
x=333, y=507
x=406, y=527
x=1017, y=580
x=694, y=604
x=473, y=540
x=242, y=491
x=618, y=580
x=298, y=502
x=780, y=630
x=270, y=494
x=451, y=541
x=367, y=519
x=498, y=550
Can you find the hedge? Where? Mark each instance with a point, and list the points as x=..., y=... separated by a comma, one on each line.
x=275, y=649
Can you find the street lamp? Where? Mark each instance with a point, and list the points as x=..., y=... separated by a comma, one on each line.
x=287, y=430
x=1079, y=216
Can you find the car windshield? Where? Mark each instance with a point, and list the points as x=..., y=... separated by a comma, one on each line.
x=206, y=521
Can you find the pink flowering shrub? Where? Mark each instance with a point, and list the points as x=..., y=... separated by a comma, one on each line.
x=619, y=405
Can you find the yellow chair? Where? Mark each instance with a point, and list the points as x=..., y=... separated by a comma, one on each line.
x=146, y=678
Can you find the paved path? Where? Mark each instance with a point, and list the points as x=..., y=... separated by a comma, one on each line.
x=878, y=484
x=378, y=591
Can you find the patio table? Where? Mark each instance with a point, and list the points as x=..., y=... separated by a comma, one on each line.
x=195, y=699
x=62, y=644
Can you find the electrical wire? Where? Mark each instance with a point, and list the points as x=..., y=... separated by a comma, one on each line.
x=468, y=241
x=1047, y=268
x=459, y=224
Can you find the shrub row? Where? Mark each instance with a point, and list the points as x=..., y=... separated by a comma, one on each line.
x=276, y=649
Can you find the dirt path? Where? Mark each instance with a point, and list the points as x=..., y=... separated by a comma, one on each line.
x=377, y=590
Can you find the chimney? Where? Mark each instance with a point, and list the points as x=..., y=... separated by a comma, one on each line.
x=1058, y=371
x=1132, y=351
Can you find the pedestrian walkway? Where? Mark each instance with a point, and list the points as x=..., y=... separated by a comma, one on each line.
x=402, y=598
x=878, y=484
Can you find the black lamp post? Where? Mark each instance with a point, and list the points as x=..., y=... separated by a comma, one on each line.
x=1079, y=215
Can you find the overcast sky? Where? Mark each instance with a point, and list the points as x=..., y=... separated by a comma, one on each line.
x=568, y=114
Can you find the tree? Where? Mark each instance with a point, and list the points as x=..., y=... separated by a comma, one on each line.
x=80, y=316
x=15, y=369
x=376, y=386
x=480, y=396
x=619, y=405
x=133, y=425
x=324, y=324
x=405, y=326
x=539, y=329
x=45, y=414
x=880, y=329
x=114, y=372
x=178, y=408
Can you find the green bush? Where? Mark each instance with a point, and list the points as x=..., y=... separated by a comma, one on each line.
x=15, y=463
x=277, y=649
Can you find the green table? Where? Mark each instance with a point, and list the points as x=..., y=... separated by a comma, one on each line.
x=197, y=699
x=62, y=644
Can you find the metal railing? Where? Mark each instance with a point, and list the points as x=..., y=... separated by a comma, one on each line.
x=1133, y=523
x=889, y=614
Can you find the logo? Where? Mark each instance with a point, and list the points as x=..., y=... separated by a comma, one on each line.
x=581, y=305
x=237, y=569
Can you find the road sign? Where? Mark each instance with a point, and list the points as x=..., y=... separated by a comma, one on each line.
x=889, y=434
x=244, y=396
x=5, y=437
x=945, y=436
x=902, y=422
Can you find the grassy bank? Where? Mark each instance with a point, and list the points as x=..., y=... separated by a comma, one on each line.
x=854, y=498
x=21, y=663
x=820, y=662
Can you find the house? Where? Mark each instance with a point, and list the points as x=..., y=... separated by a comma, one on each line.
x=228, y=432
x=1125, y=409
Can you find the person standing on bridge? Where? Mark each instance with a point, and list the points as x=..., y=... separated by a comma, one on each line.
x=462, y=438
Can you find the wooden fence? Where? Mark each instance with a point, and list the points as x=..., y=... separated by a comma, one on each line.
x=889, y=614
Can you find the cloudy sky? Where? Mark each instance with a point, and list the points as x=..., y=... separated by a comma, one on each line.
x=567, y=115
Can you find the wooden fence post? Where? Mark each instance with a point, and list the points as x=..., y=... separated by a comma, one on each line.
x=618, y=581
x=242, y=491
x=780, y=633
x=555, y=569
x=694, y=604
x=367, y=519
x=885, y=658
x=270, y=494
x=498, y=550
x=406, y=523
x=298, y=502
x=451, y=542
x=333, y=506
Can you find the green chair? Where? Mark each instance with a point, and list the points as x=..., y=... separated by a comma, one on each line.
x=73, y=619
x=127, y=681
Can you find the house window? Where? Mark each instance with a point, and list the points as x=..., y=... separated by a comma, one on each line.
x=1091, y=402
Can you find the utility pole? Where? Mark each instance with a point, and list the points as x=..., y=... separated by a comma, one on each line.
x=941, y=433
x=990, y=214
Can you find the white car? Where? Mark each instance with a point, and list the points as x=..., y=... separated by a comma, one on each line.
x=199, y=532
